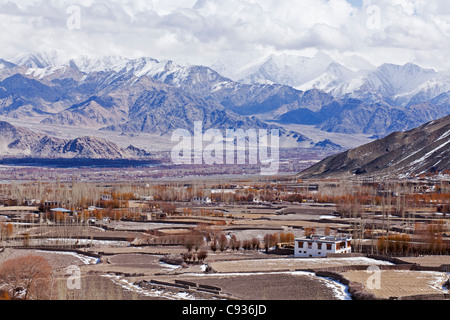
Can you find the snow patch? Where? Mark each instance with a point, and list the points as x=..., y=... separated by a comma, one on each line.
x=83, y=258
x=429, y=153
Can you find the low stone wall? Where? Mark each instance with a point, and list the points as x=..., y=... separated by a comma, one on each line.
x=187, y=286
x=186, y=283
x=208, y=287
x=387, y=258
x=169, y=284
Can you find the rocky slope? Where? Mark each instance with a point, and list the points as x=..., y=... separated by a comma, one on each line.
x=19, y=142
x=425, y=149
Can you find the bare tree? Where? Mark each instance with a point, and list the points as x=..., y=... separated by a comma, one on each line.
x=213, y=245
x=234, y=243
x=270, y=240
x=255, y=243
x=202, y=255
x=27, y=277
x=188, y=243
x=6, y=231
x=223, y=242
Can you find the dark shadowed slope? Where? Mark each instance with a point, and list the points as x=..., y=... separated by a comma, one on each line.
x=421, y=150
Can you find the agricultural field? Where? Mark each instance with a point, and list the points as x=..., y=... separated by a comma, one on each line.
x=141, y=242
x=289, y=264
x=401, y=283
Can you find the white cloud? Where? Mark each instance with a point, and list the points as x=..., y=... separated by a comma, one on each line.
x=201, y=31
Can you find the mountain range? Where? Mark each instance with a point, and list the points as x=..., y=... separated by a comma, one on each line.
x=19, y=142
x=146, y=95
x=418, y=151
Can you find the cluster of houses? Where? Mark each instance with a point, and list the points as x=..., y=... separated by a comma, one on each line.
x=421, y=187
x=32, y=210
x=312, y=246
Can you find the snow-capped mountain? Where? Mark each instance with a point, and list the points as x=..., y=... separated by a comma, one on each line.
x=394, y=83
x=157, y=96
x=99, y=64
x=290, y=70
x=303, y=73
x=37, y=60
x=120, y=94
x=333, y=76
x=399, y=84
x=391, y=80
x=6, y=65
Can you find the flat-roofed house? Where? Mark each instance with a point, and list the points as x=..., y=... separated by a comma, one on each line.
x=106, y=197
x=201, y=200
x=320, y=246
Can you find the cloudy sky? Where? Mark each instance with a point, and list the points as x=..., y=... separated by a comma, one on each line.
x=203, y=31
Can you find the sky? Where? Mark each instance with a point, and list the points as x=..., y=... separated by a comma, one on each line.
x=205, y=31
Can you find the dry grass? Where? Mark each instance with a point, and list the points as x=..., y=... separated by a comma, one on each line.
x=396, y=283
x=429, y=261
x=277, y=286
x=288, y=264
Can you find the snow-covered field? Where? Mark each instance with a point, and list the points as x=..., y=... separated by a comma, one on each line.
x=339, y=290
x=401, y=283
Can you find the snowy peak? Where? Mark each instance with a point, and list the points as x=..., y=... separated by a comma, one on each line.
x=37, y=60
x=165, y=70
x=286, y=69
x=334, y=75
x=6, y=65
x=100, y=64
x=392, y=80
x=58, y=72
x=399, y=84
x=339, y=70
x=149, y=95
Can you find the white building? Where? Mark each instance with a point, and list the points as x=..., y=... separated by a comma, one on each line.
x=201, y=200
x=320, y=246
x=106, y=197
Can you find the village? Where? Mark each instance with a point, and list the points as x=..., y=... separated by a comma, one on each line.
x=234, y=238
